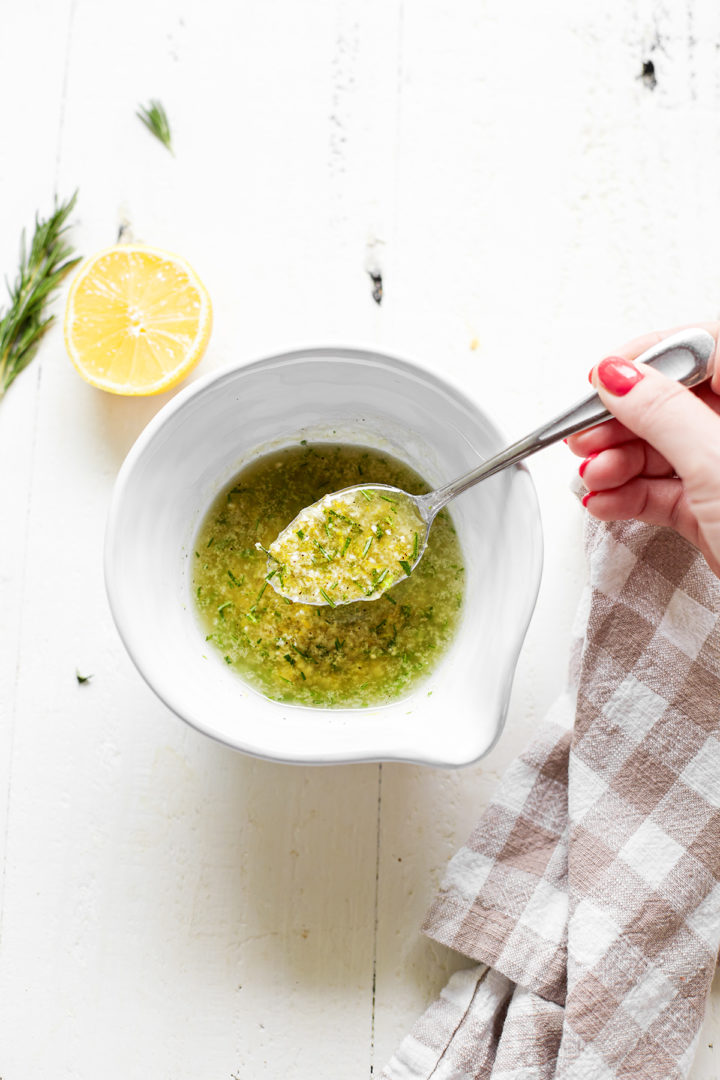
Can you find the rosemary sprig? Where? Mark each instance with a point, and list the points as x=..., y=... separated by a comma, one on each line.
x=155, y=119
x=41, y=270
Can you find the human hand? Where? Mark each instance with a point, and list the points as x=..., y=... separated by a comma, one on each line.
x=659, y=459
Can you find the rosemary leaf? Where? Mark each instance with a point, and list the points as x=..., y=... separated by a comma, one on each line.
x=155, y=119
x=41, y=270
x=328, y=557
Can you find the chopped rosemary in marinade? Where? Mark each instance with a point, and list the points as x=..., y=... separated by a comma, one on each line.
x=341, y=655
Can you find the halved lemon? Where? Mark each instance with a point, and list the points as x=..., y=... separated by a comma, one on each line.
x=137, y=320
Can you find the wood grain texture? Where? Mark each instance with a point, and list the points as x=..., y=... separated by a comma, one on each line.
x=529, y=199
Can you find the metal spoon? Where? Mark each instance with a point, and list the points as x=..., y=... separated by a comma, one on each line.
x=684, y=356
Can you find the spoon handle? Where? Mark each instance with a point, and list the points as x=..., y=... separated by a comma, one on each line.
x=684, y=356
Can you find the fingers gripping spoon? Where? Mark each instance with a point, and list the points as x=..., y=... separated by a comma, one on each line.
x=356, y=543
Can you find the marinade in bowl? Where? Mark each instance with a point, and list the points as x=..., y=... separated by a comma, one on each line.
x=356, y=655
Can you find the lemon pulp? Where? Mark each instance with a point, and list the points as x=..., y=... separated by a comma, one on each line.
x=137, y=320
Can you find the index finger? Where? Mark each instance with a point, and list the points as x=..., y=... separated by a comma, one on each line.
x=613, y=433
x=631, y=350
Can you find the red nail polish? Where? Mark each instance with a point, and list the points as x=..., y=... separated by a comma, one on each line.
x=618, y=375
x=590, y=375
x=586, y=498
x=584, y=464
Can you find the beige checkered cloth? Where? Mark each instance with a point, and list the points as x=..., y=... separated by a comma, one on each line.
x=590, y=890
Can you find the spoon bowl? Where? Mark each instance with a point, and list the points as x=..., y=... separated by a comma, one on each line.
x=351, y=545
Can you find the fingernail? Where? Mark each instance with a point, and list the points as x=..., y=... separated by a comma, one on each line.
x=584, y=464
x=586, y=498
x=590, y=375
x=618, y=375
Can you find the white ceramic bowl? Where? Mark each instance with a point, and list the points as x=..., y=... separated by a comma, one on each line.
x=192, y=449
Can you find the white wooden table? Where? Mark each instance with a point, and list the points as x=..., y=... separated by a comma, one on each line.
x=170, y=909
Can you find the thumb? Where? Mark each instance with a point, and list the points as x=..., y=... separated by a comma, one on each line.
x=672, y=420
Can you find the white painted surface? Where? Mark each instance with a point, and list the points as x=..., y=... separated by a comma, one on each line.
x=171, y=909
